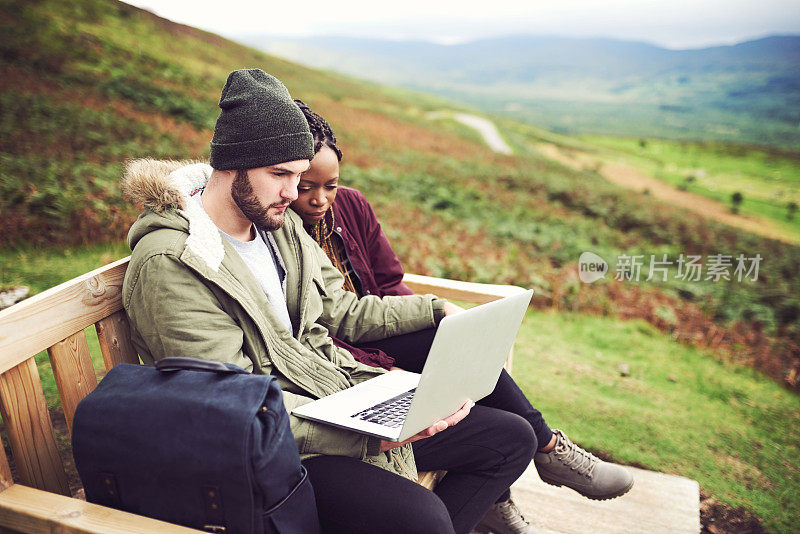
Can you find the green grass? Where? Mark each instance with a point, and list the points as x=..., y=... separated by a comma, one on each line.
x=43, y=268
x=680, y=411
x=768, y=179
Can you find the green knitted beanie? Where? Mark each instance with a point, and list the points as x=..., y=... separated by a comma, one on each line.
x=259, y=125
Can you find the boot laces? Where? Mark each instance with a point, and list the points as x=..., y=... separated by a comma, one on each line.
x=575, y=457
x=512, y=517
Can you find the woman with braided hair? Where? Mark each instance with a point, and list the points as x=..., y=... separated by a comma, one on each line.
x=343, y=223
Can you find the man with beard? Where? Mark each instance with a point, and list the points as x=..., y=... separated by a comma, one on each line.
x=220, y=270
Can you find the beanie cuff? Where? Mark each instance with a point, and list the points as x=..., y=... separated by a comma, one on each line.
x=262, y=152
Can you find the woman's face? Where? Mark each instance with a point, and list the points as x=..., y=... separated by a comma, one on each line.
x=317, y=188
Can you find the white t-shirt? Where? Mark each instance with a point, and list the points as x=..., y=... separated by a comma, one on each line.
x=264, y=262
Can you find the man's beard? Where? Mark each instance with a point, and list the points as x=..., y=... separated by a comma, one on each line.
x=252, y=208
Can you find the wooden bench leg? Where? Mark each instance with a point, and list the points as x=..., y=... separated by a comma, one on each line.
x=30, y=431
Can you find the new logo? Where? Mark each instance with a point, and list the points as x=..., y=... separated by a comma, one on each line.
x=591, y=267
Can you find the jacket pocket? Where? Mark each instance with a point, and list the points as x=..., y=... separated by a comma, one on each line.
x=320, y=283
x=314, y=304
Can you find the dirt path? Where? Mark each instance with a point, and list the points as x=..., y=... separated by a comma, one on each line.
x=632, y=178
x=487, y=129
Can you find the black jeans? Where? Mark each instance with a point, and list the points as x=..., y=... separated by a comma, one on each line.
x=483, y=455
x=410, y=352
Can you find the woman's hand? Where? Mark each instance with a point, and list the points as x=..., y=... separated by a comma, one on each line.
x=450, y=308
x=432, y=430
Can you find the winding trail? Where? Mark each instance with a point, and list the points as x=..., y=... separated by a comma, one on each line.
x=630, y=177
x=485, y=127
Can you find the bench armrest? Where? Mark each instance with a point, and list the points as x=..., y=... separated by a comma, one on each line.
x=29, y=510
x=457, y=290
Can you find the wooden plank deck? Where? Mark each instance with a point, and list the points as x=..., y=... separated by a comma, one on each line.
x=657, y=503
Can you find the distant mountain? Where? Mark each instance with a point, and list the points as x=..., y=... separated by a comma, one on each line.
x=748, y=92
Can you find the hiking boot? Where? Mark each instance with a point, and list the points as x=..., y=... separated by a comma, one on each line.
x=569, y=465
x=504, y=518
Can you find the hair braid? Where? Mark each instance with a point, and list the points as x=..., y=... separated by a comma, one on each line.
x=320, y=129
x=321, y=232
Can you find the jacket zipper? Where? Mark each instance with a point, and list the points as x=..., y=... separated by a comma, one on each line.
x=353, y=273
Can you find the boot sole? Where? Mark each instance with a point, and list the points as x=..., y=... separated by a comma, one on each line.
x=619, y=493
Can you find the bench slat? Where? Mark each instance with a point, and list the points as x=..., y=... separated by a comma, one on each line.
x=114, y=333
x=429, y=479
x=6, y=479
x=35, y=324
x=29, y=429
x=73, y=371
x=33, y=511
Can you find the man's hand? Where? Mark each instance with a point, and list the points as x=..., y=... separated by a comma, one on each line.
x=450, y=308
x=432, y=430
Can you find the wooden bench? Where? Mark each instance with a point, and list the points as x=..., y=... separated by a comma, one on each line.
x=41, y=501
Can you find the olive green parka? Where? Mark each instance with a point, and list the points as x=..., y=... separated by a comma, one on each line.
x=188, y=293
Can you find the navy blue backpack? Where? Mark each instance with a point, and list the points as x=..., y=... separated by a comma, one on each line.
x=198, y=443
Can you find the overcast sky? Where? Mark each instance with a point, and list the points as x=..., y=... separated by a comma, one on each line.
x=670, y=23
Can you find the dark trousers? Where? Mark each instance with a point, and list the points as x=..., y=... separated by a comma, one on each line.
x=483, y=455
x=410, y=352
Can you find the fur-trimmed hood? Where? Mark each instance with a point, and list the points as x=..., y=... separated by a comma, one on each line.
x=150, y=182
x=169, y=192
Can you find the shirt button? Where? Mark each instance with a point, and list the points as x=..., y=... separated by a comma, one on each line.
x=338, y=228
x=368, y=292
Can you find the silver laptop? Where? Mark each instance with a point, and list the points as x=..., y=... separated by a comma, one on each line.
x=464, y=362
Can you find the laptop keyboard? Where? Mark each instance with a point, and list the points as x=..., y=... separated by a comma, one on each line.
x=390, y=413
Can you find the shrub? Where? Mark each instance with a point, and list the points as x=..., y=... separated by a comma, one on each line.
x=736, y=200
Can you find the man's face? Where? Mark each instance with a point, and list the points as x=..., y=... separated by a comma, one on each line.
x=263, y=194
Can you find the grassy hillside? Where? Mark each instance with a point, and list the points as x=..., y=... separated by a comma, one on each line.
x=91, y=83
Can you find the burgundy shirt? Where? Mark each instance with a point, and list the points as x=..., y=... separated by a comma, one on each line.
x=371, y=257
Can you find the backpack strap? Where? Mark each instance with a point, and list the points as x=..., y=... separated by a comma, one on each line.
x=195, y=364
